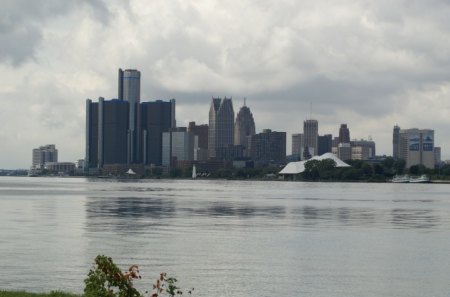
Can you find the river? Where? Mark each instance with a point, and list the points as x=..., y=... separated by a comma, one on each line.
x=229, y=238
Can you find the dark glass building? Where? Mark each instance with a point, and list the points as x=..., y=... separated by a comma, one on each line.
x=106, y=132
x=344, y=134
x=325, y=143
x=268, y=147
x=156, y=117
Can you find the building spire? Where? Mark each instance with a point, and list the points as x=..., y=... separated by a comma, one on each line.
x=245, y=99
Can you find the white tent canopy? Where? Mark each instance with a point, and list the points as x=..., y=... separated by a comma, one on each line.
x=299, y=167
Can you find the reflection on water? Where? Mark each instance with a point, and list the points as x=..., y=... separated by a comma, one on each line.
x=230, y=238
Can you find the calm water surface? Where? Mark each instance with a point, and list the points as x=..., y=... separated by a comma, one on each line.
x=229, y=238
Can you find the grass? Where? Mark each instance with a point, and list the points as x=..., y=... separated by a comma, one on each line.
x=26, y=294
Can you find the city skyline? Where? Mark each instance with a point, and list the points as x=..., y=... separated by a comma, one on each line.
x=371, y=66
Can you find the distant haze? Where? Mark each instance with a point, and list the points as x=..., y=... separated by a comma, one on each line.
x=369, y=64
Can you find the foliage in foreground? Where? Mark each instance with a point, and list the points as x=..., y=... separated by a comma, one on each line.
x=106, y=280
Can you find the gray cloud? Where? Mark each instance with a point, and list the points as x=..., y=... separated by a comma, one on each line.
x=22, y=22
x=371, y=64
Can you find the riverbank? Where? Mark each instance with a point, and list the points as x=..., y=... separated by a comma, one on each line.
x=27, y=294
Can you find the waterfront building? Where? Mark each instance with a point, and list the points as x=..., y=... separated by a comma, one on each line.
x=268, y=147
x=177, y=145
x=311, y=136
x=156, y=117
x=416, y=147
x=130, y=91
x=244, y=127
x=221, y=125
x=325, y=144
x=44, y=154
x=60, y=167
x=106, y=132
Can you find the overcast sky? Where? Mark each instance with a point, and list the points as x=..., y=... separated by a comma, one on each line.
x=370, y=64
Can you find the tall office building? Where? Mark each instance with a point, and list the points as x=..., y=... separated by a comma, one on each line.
x=268, y=147
x=221, y=125
x=106, y=132
x=311, y=136
x=325, y=143
x=396, y=142
x=44, y=154
x=177, y=145
x=201, y=131
x=297, y=145
x=344, y=134
x=416, y=147
x=244, y=127
x=130, y=91
x=156, y=117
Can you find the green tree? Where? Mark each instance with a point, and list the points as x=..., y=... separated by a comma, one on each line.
x=399, y=166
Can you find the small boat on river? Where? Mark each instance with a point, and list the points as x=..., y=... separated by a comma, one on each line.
x=401, y=179
x=421, y=179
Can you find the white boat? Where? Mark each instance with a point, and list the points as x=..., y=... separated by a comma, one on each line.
x=401, y=179
x=421, y=179
x=194, y=172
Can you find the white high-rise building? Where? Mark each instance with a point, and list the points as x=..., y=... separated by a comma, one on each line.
x=44, y=154
x=416, y=147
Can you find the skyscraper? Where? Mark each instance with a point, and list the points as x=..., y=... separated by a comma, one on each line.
x=201, y=148
x=311, y=135
x=344, y=134
x=297, y=144
x=106, y=132
x=396, y=142
x=130, y=90
x=221, y=125
x=44, y=154
x=268, y=147
x=416, y=147
x=244, y=127
x=325, y=143
x=156, y=117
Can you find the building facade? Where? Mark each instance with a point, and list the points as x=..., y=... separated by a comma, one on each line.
x=130, y=91
x=297, y=145
x=244, y=127
x=344, y=134
x=44, y=154
x=221, y=125
x=396, y=142
x=201, y=131
x=416, y=147
x=157, y=117
x=177, y=145
x=363, y=149
x=311, y=136
x=106, y=132
x=325, y=143
x=268, y=147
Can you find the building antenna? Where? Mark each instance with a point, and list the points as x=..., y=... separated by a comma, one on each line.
x=310, y=110
x=245, y=102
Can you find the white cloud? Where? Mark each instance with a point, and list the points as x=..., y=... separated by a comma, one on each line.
x=370, y=64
